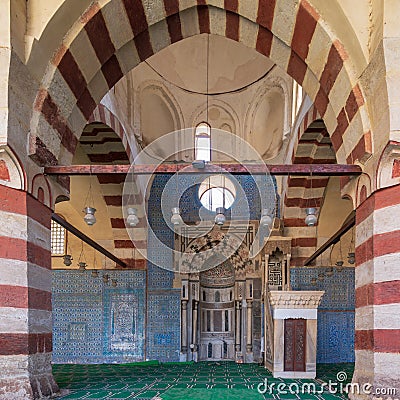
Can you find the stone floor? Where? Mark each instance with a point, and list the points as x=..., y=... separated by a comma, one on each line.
x=203, y=380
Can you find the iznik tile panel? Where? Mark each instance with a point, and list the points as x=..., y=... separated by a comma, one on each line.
x=335, y=340
x=96, y=323
x=163, y=325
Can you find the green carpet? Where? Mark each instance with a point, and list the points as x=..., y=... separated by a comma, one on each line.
x=203, y=380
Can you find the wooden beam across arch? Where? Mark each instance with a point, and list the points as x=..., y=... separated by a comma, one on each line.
x=228, y=168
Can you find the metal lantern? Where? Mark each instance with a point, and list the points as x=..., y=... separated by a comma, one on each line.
x=220, y=218
x=311, y=218
x=67, y=259
x=351, y=257
x=82, y=266
x=89, y=217
x=132, y=220
x=176, y=218
x=266, y=219
x=339, y=265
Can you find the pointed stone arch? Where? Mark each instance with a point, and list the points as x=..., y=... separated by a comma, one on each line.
x=71, y=88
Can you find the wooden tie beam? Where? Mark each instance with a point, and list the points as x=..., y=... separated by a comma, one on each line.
x=184, y=168
x=347, y=225
x=75, y=231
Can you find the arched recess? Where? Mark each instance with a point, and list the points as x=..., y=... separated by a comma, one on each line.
x=102, y=114
x=102, y=145
x=234, y=250
x=314, y=147
x=153, y=100
x=118, y=44
x=267, y=120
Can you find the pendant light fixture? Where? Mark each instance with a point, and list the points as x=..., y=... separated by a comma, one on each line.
x=266, y=220
x=82, y=264
x=311, y=218
x=67, y=257
x=89, y=217
x=351, y=256
x=88, y=209
x=95, y=272
x=220, y=218
x=340, y=262
x=176, y=218
x=132, y=219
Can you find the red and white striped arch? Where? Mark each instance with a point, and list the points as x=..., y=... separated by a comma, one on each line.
x=117, y=36
x=314, y=147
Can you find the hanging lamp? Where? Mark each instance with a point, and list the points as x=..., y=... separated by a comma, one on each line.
x=311, y=218
x=311, y=212
x=351, y=256
x=89, y=217
x=95, y=272
x=220, y=218
x=82, y=264
x=266, y=220
x=132, y=219
x=88, y=209
x=67, y=259
x=176, y=218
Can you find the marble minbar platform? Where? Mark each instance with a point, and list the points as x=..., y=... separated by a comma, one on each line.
x=287, y=308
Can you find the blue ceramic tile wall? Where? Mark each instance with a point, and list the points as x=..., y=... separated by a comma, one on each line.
x=163, y=308
x=96, y=323
x=335, y=342
x=163, y=325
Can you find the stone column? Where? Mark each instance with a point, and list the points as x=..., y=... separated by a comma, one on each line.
x=25, y=297
x=249, y=344
x=184, y=346
x=238, y=325
x=377, y=281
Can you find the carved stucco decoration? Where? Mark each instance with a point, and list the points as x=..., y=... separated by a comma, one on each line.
x=233, y=250
x=284, y=244
x=295, y=299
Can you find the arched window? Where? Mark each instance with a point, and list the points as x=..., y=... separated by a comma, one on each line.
x=202, y=142
x=58, y=239
x=217, y=297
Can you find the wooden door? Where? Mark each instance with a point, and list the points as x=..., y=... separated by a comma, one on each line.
x=295, y=344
